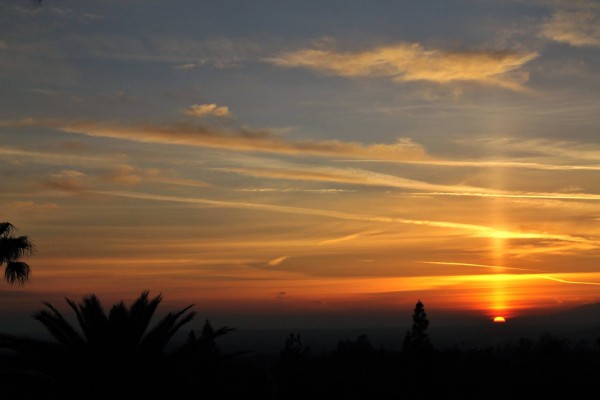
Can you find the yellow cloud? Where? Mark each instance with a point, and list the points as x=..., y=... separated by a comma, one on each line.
x=276, y=261
x=577, y=28
x=240, y=140
x=203, y=110
x=405, y=62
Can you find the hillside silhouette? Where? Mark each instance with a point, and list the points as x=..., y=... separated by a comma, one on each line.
x=120, y=351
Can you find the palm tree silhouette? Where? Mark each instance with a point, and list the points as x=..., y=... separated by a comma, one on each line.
x=11, y=250
x=112, y=353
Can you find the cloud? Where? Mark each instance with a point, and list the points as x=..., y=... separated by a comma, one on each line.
x=276, y=261
x=497, y=268
x=356, y=176
x=560, y=150
x=516, y=195
x=292, y=190
x=409, y=62
x=124, y=175
x=30, y=208
x=575, y=27
x=352, y=236
x=54, y=158
x=471, y=229
x=183, y=53
x=68, y=180
x=186, y=66
x=352, y=176
x=203, y=110
x=240, y=140
x=492, y=164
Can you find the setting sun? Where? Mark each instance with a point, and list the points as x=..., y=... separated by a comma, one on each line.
x=499, y=319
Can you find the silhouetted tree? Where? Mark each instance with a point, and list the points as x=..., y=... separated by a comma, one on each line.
x=200, y=358
x=114, y=350
x=13, y=248
x=206, y=343
x=292, y=369
x=294, y=350
x=417, y=339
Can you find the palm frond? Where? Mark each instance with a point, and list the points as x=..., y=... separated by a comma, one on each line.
x=92, y=319
x=141, y=313
x=16, y=272
x=59, y=328
x=13, y=248
x=157, y=338
x=6, y=229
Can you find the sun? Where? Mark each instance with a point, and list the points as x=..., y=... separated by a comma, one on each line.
x=499, y=319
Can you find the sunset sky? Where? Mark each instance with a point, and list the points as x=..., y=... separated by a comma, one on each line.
x=303, y=163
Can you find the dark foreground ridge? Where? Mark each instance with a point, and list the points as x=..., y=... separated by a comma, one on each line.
x=119, y=355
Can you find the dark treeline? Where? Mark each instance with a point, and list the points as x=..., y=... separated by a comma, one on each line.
x=117, y=354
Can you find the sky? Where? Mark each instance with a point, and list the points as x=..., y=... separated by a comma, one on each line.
x=303, y=163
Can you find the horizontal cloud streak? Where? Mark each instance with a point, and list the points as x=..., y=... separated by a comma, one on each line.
x=555, y=149
x=474, y=230
x=492, y=164
x=364, y=177
x=350, y=176
x=552, y=196
x=406, y=62
x=241, y=140
x=495, y=267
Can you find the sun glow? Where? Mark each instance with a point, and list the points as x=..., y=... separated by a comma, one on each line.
x=499, y=319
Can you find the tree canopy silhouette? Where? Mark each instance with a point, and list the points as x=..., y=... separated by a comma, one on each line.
x=12, y=249
x=417, y=339
x=118, y=348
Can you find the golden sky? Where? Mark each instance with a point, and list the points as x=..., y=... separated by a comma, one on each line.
x=304, y=161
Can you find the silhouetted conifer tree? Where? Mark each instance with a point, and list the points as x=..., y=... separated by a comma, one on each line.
x=417, y=339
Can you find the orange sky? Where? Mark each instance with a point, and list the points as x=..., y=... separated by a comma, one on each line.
x=263, y=160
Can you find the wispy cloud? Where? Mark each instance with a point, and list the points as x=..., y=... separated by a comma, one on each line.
x=124, y=175
x=68, y=180
x=472, y=229
x=128, y=175
x=203, y=110
x=561, y=280
x=30, y=208
x=276, y=261
x=184, y=53
x=56, y=158
x=354, y=176
x=575, y=27
x=490, y=164
x=240, y=140
x=292, y=190
x=550, y=196
x=557, y=154
x=494, y=267
x=406, y=62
